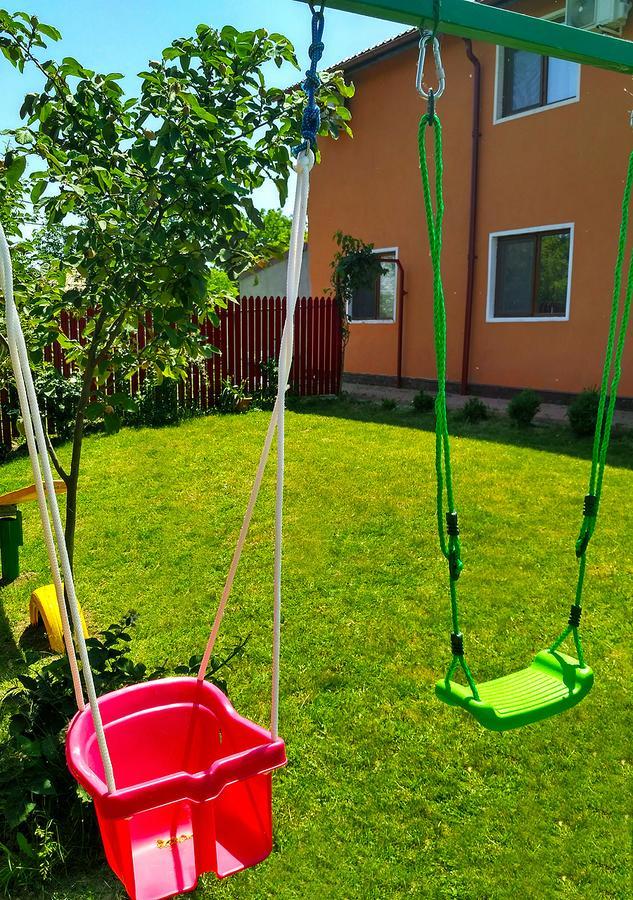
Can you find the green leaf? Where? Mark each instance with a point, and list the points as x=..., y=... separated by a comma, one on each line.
x=24, y=846
x=40, y=784
x=70, y=66
x=50, y=32
x=200, y=111
x=20, y=813
x=111, y=421
x=15, y=170
x=38, y=189
x=45, y=112
x=94, y=411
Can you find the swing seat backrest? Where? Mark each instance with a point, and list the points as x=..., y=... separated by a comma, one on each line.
x=193, y=790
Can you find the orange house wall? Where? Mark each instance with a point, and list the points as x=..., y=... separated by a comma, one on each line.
x=560, y=165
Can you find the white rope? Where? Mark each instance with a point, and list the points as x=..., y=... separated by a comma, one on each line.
x=40, y=465
x=295, y=260
x=6, y=269
x=303, y=168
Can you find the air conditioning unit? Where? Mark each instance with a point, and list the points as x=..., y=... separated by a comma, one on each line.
x=607, y=14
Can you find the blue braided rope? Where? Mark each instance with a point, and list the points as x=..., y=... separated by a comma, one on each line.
x=311, y=122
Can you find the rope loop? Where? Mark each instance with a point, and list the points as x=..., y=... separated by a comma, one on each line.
x=447, y=522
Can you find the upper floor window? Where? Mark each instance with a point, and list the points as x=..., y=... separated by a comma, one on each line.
x=530, y=274
x=527, y=82
x=377, y=302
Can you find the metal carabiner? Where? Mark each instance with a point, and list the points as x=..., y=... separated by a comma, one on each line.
x=425, y=39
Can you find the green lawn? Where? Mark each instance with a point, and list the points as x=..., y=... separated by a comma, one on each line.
x=388, y=793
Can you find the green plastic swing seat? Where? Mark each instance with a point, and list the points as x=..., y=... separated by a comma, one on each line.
x=553, y=683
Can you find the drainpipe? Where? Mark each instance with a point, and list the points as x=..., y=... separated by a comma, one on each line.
x=399, y=314
x=472, y=227
x=401, y=296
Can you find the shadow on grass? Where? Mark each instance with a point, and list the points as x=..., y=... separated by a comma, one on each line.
x=10, y=656
x=11, y=652
x=548, y=437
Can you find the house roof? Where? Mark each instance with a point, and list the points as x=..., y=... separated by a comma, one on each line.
x=391, y=46
x=379, y=51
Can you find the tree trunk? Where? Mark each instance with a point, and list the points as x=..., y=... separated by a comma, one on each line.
x=72, y=482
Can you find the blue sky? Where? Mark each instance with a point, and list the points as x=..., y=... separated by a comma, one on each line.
x=121, y=35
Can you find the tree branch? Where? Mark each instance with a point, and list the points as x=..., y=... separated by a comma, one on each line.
x=63, y=474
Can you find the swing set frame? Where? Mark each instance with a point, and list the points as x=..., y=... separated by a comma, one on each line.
x=495, y=25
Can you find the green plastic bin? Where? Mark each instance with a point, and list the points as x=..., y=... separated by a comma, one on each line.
x=11, y=539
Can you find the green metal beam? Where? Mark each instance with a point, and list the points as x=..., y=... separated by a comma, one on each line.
x=468, y=19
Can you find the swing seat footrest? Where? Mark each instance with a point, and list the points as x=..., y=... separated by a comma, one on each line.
x=553, y=683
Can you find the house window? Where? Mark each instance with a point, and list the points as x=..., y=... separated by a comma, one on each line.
x=531, y=274
x=377, y=302
x=527, y=82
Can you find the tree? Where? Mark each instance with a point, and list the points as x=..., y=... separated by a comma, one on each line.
x=36, y=265
x=154, y=191
x=272, y=239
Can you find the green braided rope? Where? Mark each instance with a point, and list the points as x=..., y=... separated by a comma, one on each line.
x=606, y=406
x=449, y=544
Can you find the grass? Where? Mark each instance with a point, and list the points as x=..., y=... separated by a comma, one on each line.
x=388, y=793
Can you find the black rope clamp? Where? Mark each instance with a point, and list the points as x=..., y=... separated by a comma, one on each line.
x=455, y=565
x=590, y=507
x=452, y=524
x=574, y=616
x=457, y=644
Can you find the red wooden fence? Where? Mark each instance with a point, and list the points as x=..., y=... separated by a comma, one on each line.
x=247, y=336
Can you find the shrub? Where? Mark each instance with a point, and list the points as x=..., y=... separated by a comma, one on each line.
x=232, y=397
x=388, y=404
x=269, y=370
x=58, y=395
x=46, y=823
x=582, y=413
x=523, y=407
x=423, y=402
x=157, y=404
x=475, y=410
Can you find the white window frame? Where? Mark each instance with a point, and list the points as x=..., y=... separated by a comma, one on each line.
x=497, y=111
x=492, y=273
x=379, y=251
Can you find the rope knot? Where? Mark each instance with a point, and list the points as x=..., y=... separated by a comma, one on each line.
x=312, y=82
x=316, y=50
x=311, y=125
x=311, y=119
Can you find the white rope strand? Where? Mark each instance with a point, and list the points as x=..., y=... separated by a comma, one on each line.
x=7, y=277
x=240, y=545
x=295, y=258
x=39, y=456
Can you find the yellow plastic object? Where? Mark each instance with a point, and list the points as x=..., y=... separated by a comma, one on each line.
x=43, y=607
